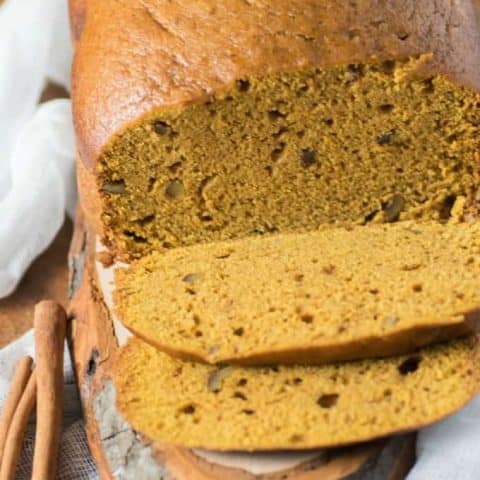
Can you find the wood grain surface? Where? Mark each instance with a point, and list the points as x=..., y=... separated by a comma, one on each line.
x=46, y=278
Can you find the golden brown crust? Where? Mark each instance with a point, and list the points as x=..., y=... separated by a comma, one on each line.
x=89, y=197
x=397, y=343
x=168, y=54
x=78, y=10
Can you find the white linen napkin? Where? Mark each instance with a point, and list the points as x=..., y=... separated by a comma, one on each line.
x=37, y=147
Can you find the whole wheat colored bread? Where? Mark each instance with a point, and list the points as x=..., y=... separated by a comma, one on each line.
x=247, y=408
x=311, y=298
x=197, y=125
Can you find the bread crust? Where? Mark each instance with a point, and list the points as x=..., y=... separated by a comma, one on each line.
x=399, y=343
x=133, y=58
x=78, y=10
x=89, y=197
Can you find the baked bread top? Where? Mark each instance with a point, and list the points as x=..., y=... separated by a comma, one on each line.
x=135, y=56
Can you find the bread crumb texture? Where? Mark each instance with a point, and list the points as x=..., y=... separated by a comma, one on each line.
x=245, y=408
x=289, y=152
x=334, y=294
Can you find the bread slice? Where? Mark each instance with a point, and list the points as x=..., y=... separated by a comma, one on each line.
x=312, y=298
x=262, y=408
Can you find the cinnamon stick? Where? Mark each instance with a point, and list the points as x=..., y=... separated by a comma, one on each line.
x=16, y=432
x=23, y=370
x=50, y=326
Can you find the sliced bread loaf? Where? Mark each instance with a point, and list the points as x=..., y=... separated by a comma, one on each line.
x=246, y=408
x=206, y=121
x=312, y=298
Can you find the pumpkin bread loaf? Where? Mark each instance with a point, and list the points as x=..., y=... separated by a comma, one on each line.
x=195, y=125
x=254, y=408
x=329, y=295
x=199, y=129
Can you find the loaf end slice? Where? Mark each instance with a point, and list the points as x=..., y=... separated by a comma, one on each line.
x=239, y=408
